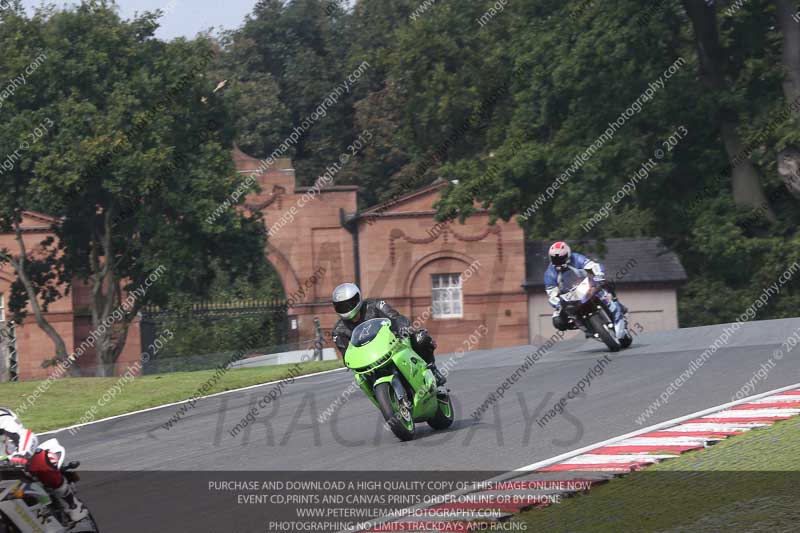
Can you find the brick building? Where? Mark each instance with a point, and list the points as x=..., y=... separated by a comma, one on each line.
x=395, y=251
x=472, y=285
x=69, y=316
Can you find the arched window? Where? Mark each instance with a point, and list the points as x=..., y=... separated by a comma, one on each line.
x=446, y=296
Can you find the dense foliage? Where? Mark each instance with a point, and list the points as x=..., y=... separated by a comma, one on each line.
x=542, y=111
x=505, y=101
x=121, y=137
x=195, y=335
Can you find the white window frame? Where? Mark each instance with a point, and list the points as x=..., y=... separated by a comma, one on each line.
x=448, y=285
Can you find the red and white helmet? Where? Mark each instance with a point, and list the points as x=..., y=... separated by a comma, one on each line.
x=559, y=255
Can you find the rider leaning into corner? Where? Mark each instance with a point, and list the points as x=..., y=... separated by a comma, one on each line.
x=353, y=310
x=565, y=267
x=22, y=447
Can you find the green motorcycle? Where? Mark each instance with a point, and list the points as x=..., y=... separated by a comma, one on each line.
x=396, y=379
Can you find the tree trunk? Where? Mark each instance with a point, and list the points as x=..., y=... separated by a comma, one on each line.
x=110, y=320
x=745, y=179
x=790, y=52
x=789, y=158
x=105, y=295
x=19, y=265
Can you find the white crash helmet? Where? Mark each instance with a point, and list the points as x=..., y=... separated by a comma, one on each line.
x=347, y=300
x=559, y=255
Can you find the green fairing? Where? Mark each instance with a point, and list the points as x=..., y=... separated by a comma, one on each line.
x=375, y=362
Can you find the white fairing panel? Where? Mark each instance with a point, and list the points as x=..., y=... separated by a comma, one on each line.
x=55, y=451
x=579, y=292
x=26, y=519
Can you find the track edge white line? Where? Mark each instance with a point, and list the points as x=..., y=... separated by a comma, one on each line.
x=521, y=471
x=181, y=402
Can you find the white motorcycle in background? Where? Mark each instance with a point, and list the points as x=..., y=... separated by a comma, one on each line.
x=591, y=314
x=26, y=505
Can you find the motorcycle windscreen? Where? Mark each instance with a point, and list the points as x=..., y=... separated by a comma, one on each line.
x=575, y=289
x=366, y=332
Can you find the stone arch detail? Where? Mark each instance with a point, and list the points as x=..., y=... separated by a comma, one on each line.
x=286, y=272
x=443, y=229
x=413, y=272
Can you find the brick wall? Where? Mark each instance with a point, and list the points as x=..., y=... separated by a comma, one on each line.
x=400, y=247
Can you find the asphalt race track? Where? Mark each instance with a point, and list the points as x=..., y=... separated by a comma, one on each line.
x=287, y=436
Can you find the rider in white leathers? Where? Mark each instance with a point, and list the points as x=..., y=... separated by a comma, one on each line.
x=22, y=446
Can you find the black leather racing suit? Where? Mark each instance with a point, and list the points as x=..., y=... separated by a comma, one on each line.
x=421, y=342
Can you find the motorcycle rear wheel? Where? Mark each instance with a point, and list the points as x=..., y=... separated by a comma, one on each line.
x=397, y=418
x=598, y=325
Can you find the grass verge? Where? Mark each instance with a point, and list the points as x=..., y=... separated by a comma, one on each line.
x=745, y=483
x=68, y=399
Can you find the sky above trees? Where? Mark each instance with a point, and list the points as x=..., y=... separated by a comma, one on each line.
x=184, y=18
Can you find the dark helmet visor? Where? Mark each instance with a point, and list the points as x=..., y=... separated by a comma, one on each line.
x=345, y=306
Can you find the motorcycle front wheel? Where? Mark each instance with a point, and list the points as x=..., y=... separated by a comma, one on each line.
x=397, y=416
x=87, y=525
x=598, y=325
x=444, y=416
x=627, y=340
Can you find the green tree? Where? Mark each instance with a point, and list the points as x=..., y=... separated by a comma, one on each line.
x=135, y=160
x=505, y=107
x=197, y=335
x=289, y=56
x=579, y=66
